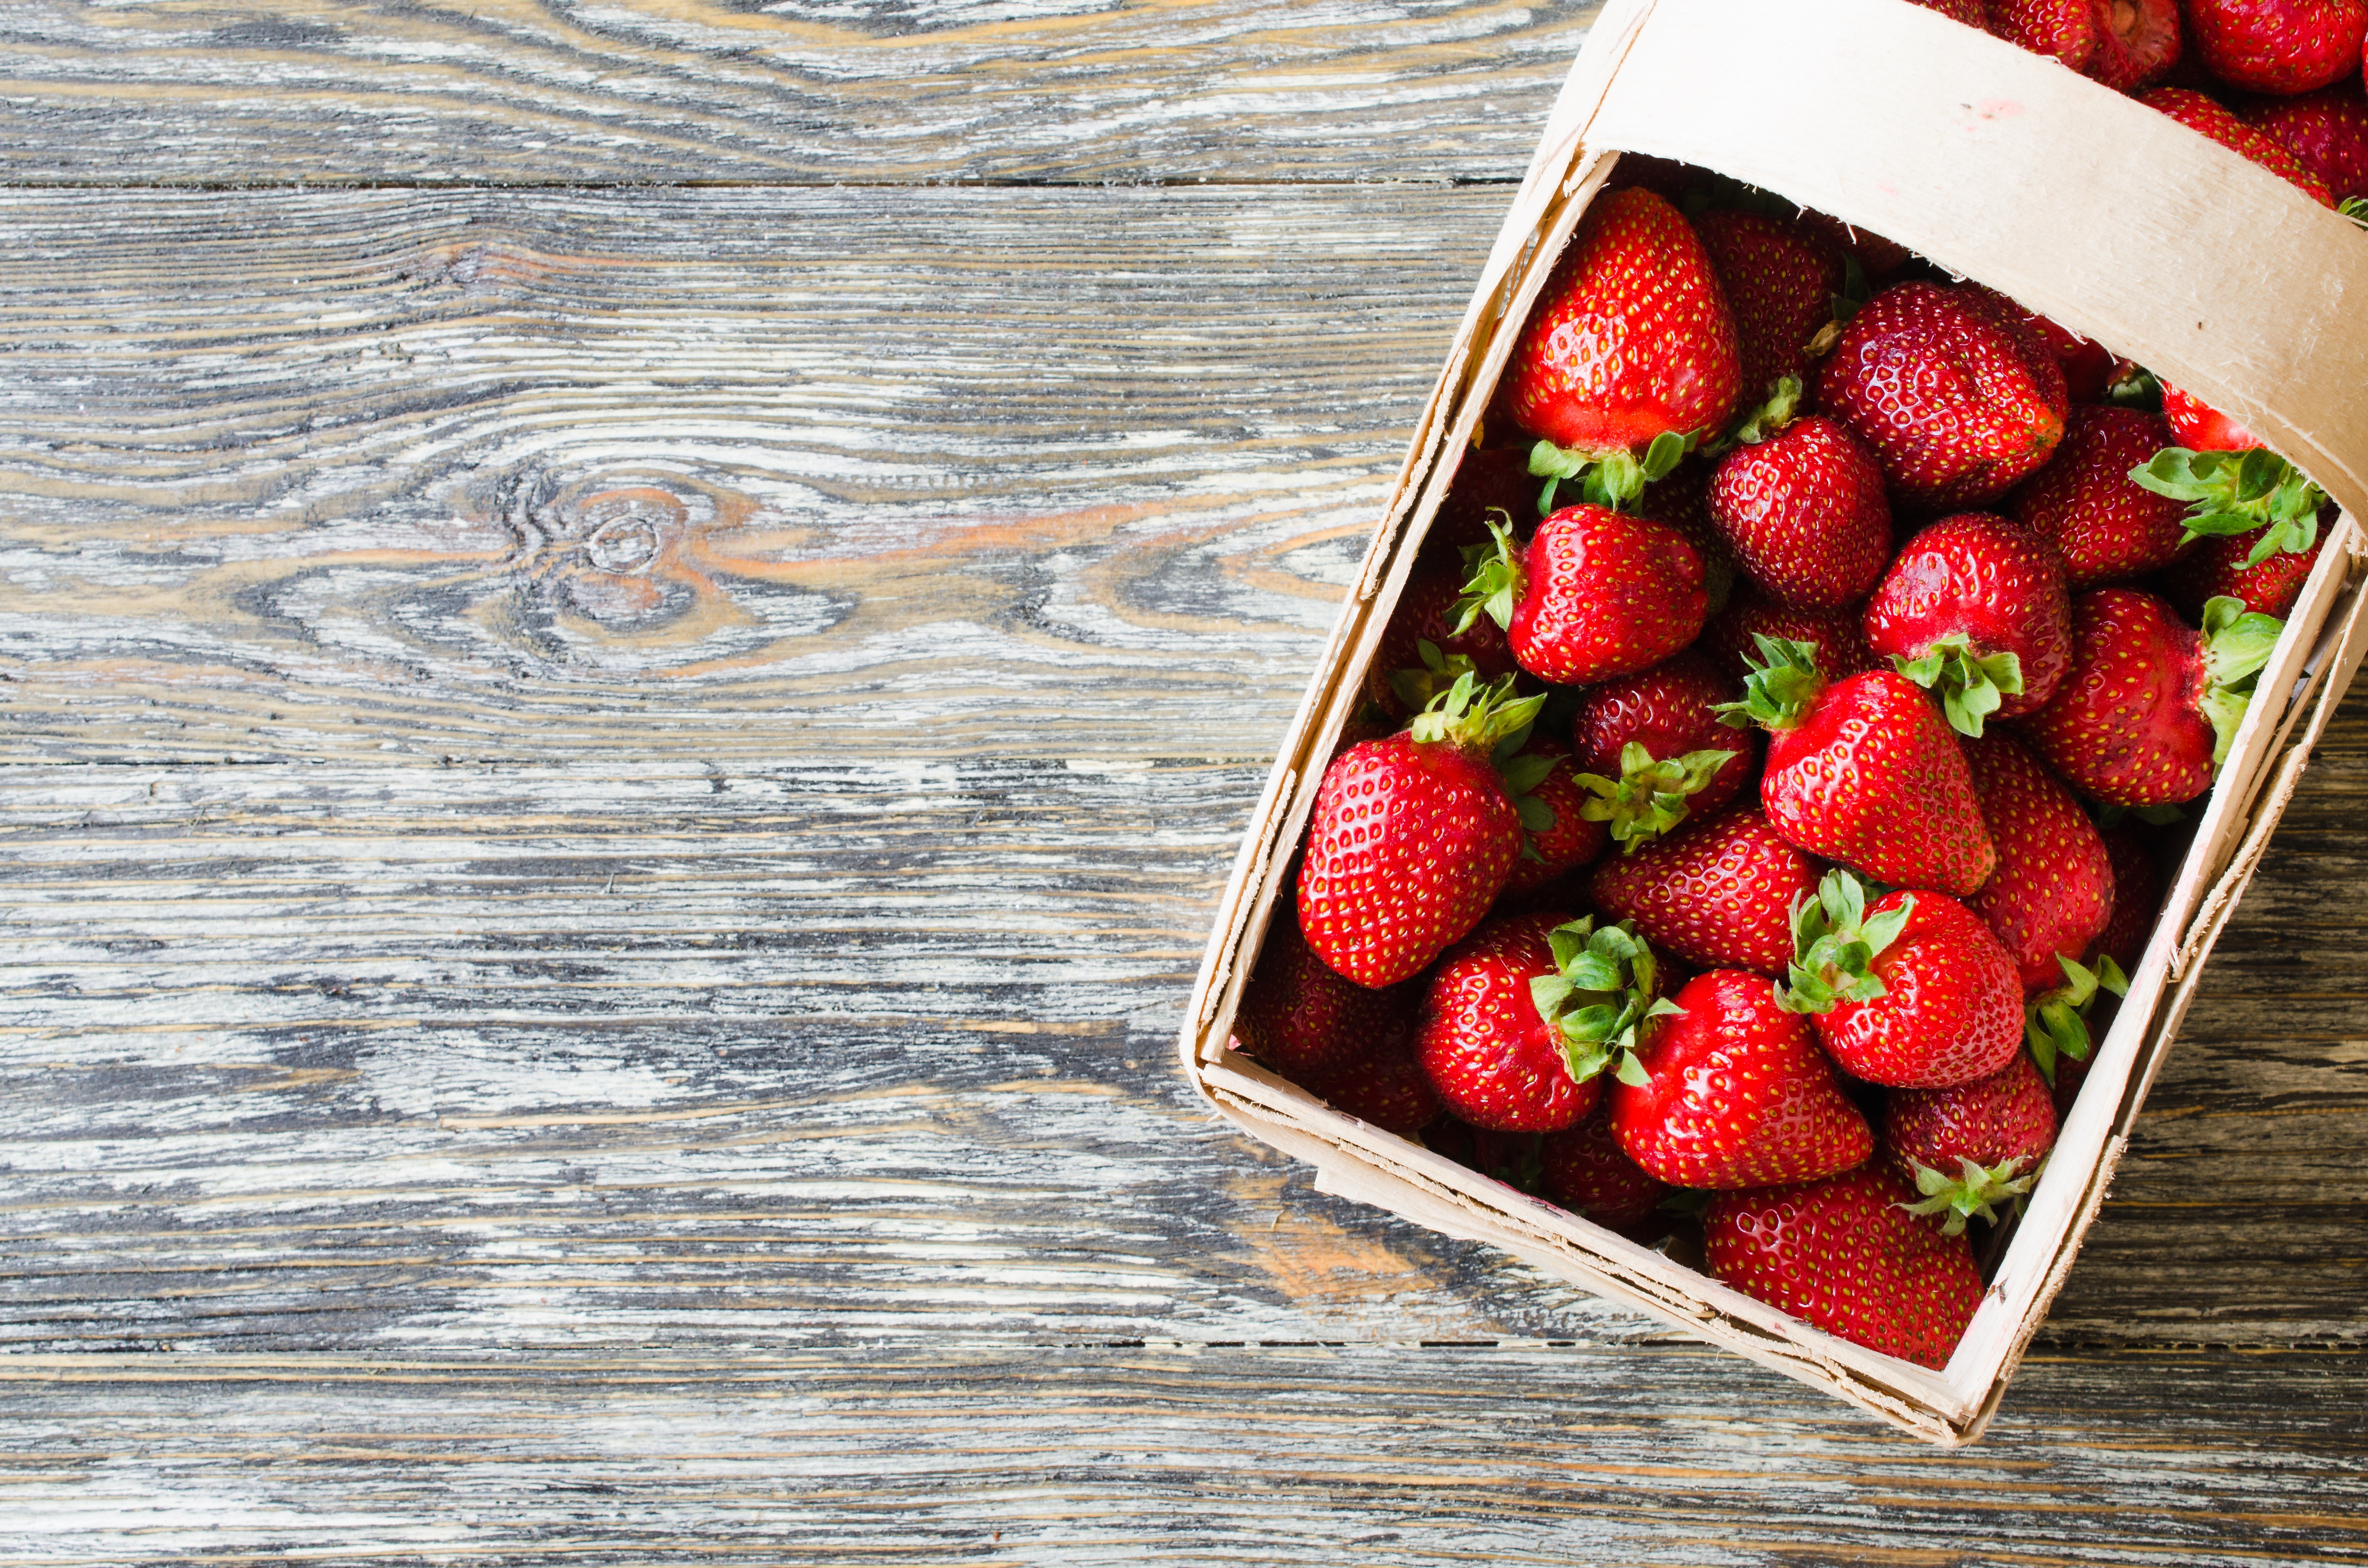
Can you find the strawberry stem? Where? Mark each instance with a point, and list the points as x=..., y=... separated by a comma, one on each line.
x=1757, y=424
x=1969, y=684
x=1600, y=994
x=1835, y=946
x=1973, y=1193
x=1418, y=688
x=1475, y=717
x=1649, y=797
x=1613, y=479
x=1778, y=693
x=1493, y=579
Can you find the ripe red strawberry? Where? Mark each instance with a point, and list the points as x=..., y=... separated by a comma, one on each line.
x=1973, y=1146
x=2138, y=43
x=1781, y=286
x=1387, y=1087
x=1731, y=1091
x=1400, y=679
x=1966, y=11
x=1596, y=594
x=2137, y=893
x=1865, y=771
x=2201, y=115
x=1718, y=893
x=1732, y=637
x=2054, y=886
x=2065, y=30
x=1586, y=1171
x=1632, y=341
x=1670, y=711
x=1573, y=839
x=1843, y=1255
x=1802, y=507
x=2223, y=568
x=2103, y=524
x=2328, y=133
x=1912, y=991
x=2199, y=426
x=1303, y=1020
x=2281, y=47
x=1412, y=838
x=2150, y=708
x=1974, y=609
x=1521, y=1017
x=1957, y=400
x=1682, y=500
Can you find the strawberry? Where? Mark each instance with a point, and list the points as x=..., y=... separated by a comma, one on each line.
x=2054, y=886
x=1718, y=893
x=2281, y=47
x=1402, y=678
x=2064, y=31
x=2328, y=133
x=1303, y=1019
x=1631, y=343
x=1685, y=764
x=1584, y=1169
x=1801, y=503
x=1682, y=501
x=1973, y=1146
x=1489, y=479
x=1910, y=991
x=1412, y=836
x=1875, y=255
x=2137, y=893
x=1387, y=1087
x=1574, y=838
x=2087, y=364
x=1732, y=637
x=1957, y=398
x=1966, y=11
x=1974, y=610
x=1843, y=1255
x=2199, y=426
x=1596, y=594
x=1781, y=285
x=2103, y=524
x=2149, y=707
x=2225, y=568
x=1729, y=1091
x=1521, y=1017
x=2138, y=43
x=2201, y=115
x=1865, y=771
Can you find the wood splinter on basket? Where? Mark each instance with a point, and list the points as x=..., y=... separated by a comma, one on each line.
x=2078, y=203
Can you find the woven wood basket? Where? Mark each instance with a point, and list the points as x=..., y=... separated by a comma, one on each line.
x=2082, y=204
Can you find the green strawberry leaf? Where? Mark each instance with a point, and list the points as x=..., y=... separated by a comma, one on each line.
x=1971, y=685
x=1779, y=688
x=1835, y=946
x=1613, y=479
x=2239, y=492
x=2237, y=643
x=1973, y=1193
x=1650, y=796
x=1494, y=580
x=1599, y=997
x=2356, y=209
x=2055, y=1023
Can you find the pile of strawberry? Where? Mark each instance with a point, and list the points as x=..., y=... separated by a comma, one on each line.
x=1994, y=598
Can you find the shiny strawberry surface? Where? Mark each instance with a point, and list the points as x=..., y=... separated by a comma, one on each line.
x=2280, y=47
x=1304, y=1019
x=2124, y=728
x=1780, y=285
x=1716, y=893
x=1605, y=593
x=1951, y=1008
x=1490, y=1053
x=2104, y=526
x=2328, y=133
x=1987, y=580
x=2054, y=886
x=1805, y=515
x=1667, y=711
x=2006, y=1115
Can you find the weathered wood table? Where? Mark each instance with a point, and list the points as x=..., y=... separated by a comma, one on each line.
x=636, y=639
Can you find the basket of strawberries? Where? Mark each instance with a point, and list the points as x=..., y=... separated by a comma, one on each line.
x=1876, y=563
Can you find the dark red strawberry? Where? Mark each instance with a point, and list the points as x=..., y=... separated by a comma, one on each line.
x=1401, y=680
x=2064, y=31
x=1387, y=1087
x=1584, y=1169
x=2328, y=132
x=2149, y=707
x=1573, y=839
x=1966, y=11
x=1596, y=594
x=1631, y=342
x=1731, y=1091
x=2138, y=43
x=2087, y=364
x=1521, y=1017
x=1716, y=893
x=2200, y=114
x=1876, y=256
x=1973, y=1146
x=1957, y=400
x=1670, y=711
x=1911, y=991
x=1732, y=639
x=1802, y=508
x=1412, y=838
x=1494, y=478
x=2054, y=887
x=1781, y=285
x=2281, y=47
x=2137, y=894
x=1682, y=501
x=2225, y=568
x=2103, y=524
x=1303, y=1020
x=1865, y=771
x=1843, y=1255
x=1974, y=610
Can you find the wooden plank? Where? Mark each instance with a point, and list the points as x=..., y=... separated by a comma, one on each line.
x=339, y=92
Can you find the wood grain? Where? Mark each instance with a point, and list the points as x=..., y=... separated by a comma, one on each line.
x=343, y=92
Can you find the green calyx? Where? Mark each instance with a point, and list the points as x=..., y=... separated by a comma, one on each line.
x=1613, y=479
x=1523, y=772
x=2237, y=643
x=2238, y=493
x=1492, y=576
x=1418, y=688
x=1779, y=688
x=1599, y=997
x=1969, y=684
x=1974, y=1192
x=1783, y=405
x=1649, y=797
x=1835, y=944
x=2356, y=209
x=1475, y=717
x=2055, y=1023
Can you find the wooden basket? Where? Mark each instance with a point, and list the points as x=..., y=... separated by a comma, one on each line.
x=2095, y=210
